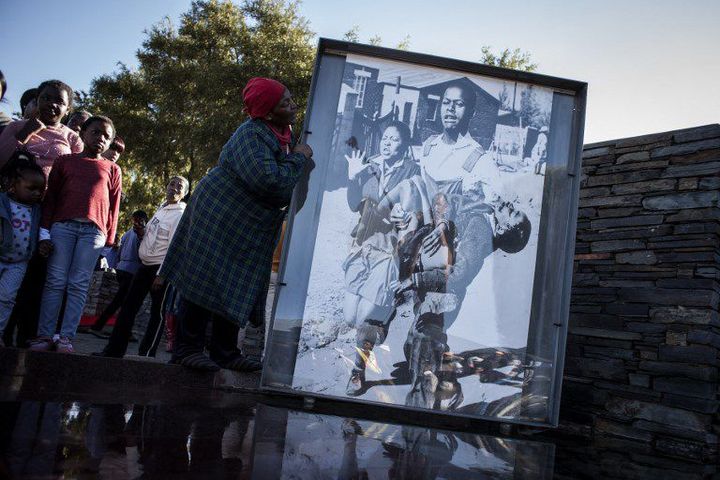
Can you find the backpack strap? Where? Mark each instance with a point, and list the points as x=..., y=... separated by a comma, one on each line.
x=472, y=159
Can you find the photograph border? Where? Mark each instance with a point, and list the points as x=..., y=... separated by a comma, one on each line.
x=557, y=236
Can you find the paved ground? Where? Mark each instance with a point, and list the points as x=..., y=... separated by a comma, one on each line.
x=86, y=343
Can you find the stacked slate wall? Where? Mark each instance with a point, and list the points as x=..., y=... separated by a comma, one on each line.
x=644, y=334
x=103, y=287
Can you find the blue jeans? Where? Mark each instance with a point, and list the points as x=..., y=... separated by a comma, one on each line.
x=76, y=250
x=11, y=276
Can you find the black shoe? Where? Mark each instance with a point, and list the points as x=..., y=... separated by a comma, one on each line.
x=356, y=384
x=350, y=428
x=198, y=361
x=241, y=363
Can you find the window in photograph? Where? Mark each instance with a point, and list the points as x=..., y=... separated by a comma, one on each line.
x=432, y=107
x=361, y=78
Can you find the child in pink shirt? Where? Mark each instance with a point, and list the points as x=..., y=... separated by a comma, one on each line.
x=43, y=135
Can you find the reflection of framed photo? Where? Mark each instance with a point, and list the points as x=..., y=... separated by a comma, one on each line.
x=308, y=445
x=428, y=265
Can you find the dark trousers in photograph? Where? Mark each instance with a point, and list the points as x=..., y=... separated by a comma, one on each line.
x=192, y=322
x=25, y=314
x=139, y=288
x=124, y=280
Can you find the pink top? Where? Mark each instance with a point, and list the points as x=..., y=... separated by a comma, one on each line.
x=87, y=188
x=46, y=145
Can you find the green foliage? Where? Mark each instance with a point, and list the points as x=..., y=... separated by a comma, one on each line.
x=183, y=102
x=513, y=59
x=404, y=43
x=353, y=36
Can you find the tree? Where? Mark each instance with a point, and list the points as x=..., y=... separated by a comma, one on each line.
x=504, y=97
x=513, y=59
x=534, y=110
x=375, y=40
x=353, y=36
x=182, y=103
x=404, y=43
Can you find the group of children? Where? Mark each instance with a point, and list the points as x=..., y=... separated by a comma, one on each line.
x=60, y=192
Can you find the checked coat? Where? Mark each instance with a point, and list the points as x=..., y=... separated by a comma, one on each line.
x=221, y=255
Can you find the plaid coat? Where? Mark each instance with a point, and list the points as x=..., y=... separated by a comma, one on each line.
x=221, y=255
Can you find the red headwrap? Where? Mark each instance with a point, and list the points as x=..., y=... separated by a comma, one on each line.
x=260, y=96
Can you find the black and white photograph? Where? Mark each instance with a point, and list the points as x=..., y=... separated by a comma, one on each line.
x=422, y=274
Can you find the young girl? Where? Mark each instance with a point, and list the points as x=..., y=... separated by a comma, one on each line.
x=43, y=135
x=19, y=225
x=80, y=210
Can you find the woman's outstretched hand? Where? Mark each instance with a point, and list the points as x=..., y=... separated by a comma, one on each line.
x=356, y=163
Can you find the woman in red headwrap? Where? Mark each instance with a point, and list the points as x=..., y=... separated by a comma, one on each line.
x=221, y=255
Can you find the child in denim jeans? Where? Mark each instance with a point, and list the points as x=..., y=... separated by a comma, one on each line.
x=19, y=225
x=79, y=218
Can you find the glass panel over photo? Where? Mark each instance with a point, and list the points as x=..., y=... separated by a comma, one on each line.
x=421, y=279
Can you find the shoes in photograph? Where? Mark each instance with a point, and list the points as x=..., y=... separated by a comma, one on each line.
x=64, y=345
x=41, y=344
x=351, y=429
x=356, y=384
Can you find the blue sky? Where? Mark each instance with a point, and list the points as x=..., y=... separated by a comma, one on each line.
x=651, y=65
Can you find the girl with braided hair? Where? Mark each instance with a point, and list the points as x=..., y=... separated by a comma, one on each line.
x=24, y=184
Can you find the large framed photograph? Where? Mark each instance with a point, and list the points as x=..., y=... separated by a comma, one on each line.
x=427, y=264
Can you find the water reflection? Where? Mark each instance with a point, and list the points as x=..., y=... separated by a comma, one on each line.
x=47, y=440
x=327, y=447
x=34, y=440
x=76, y=440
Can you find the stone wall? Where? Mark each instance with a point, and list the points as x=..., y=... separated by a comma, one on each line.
x=644, y=335
x=103, y=287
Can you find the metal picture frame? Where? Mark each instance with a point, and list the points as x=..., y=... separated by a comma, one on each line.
x=543, y=354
